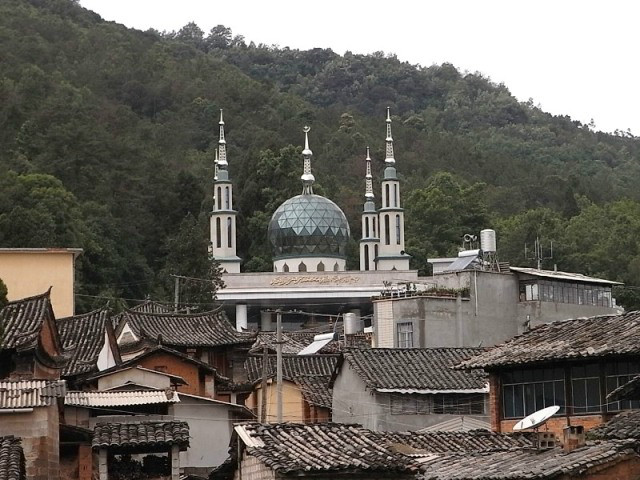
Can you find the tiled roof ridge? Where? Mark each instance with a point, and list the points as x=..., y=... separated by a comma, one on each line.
x=89, y=314
x=12, y=460
x=107, y=434
x=38, y=296
x=208, y=313
x=561, y=339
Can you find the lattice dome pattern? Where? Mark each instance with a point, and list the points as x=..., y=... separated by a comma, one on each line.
x=308, y=226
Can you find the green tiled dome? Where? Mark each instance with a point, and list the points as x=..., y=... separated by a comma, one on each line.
x=308, y=226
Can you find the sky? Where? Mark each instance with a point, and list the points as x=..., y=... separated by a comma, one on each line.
x=576, y=58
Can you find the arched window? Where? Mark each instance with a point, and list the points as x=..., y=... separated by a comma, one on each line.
x=386, y=195
x=275, y=268
x=285, y=268
x=227, y=198
x=302, y=267
x=375, y=250
x=374, y=228
x=218, y=233
x=398, y=229
x=366, y=257
x=321, y=267
x=219, y=198
x=366, y=227
x=229, y=232
x=336, y=267
x=396, y=200
x=387, y=236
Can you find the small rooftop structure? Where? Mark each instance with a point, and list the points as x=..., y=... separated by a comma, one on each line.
x=119, y=398
x=143, y=436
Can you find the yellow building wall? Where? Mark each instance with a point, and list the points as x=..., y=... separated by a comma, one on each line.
x=31, y=272
x=292, y=402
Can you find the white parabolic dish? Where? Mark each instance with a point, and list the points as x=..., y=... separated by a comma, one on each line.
x=536, y=418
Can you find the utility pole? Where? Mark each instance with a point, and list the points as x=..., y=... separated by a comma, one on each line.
x=279, y=362
x=176, y=292
x=265, y=360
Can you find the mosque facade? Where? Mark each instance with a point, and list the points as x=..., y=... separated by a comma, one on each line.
x=309, y=234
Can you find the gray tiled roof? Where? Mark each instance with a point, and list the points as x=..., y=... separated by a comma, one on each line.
x=322, y=448
x=624, y=425
x=329, y=447
x=82, y=338
x=295, y=341
x=566, y=340
x=311, y=373
x=627, y=391
x=209, y=329
x=22, y=320
x=527, y=464
x=12, y=465
x=30, y=393
x=141, y=434
x=415, y=368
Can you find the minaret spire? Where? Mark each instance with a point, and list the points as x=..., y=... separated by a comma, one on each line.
x=389, y=160
x=368, y=192
x=307, y=177
x=222, y=146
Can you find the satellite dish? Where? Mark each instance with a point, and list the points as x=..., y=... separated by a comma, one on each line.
x=536, y=418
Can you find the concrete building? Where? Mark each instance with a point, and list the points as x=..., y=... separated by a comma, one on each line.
x=470, y=308
x=406, y=389
x=31, y=271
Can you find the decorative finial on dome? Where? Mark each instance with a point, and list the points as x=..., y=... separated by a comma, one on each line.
x=368, y=193
x=307, y=177
x=389, y=160
x=215, y=166
x=222, y=146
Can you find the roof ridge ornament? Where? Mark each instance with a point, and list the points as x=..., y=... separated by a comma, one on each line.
x=222, y=146
x=389, y=160
x=368, y=194
x=307, y=177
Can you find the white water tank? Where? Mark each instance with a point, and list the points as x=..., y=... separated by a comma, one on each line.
x=352, y=323
x=488, y=240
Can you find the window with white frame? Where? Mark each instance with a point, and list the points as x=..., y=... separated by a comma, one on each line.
x=405, y=334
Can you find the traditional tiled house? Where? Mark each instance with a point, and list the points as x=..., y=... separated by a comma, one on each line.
x=208, y=337
x=89, y=343
x=164, y=438
x=306, y=392
x=574, y=364
x=406, y=389
x=12, y=465
x=329, y=450
x=191, y=375
x=29, y=345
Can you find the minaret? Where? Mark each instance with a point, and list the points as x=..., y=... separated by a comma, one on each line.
x=307, y=177
x=370, y=238
x=222, y=219
x=391, y=255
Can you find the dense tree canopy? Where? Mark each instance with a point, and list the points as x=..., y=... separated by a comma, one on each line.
x=107, y=140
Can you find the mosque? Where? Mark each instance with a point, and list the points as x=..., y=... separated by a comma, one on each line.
x=309, y=235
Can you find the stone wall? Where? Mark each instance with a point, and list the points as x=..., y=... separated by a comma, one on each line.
x=253, y=469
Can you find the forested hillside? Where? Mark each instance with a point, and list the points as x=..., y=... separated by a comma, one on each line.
x=107, y=139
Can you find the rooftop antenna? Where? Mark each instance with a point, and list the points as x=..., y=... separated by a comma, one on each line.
x=538, y=254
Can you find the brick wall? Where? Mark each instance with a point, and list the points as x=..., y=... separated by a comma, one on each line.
x=494, y=403
x=253, y=469
x=557, y=424
x=625, y=470
x=39, y=431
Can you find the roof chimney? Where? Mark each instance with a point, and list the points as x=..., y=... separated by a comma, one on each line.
x=573, y=436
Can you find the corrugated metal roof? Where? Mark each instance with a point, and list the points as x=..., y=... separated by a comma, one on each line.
x=119, y=398
x=30, y=393
x=567, y=276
